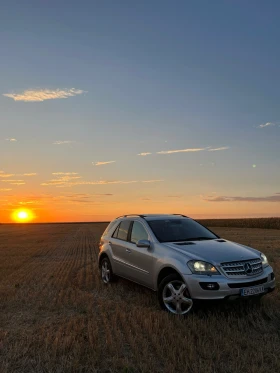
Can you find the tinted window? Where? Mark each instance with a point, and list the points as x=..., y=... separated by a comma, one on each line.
x=115, y=235
x=109, y=227
x=122, y=231
x=179, y=230
x=138, y=232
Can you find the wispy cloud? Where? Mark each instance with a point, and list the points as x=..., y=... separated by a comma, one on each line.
x=144, y=154
x=65, y=173
x=62, y=142
x=218, y=149
x=30, y=174
x=4, y=175
x=11, y=140
x=273, y=198
x=182, y=150
x=12, y=181
x=151, y=181
x=102, y=163
x=5, y=189
x=61, y=183
x=39, y=95
x=191, y=150
x=266, y=125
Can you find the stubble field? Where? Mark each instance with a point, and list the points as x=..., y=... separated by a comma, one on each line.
x=57, y=316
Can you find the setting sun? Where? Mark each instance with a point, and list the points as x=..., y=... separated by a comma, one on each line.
x=22, y=216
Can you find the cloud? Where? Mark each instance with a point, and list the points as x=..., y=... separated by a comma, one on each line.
x=4, y=175
x=12, y=181
x=62, y=142
x=40, y=95
x=182, y=150
x=266, y=125
x=61, y=184
x=5, y=189
x=274, y=198
x=11, y=140
x=65, y=173
x=174, y=196
x=87, y=196
x=151, y=181
x=31, y=174
x=102, y=163
x=190, y=150
x=217, y=149
x=144, y=154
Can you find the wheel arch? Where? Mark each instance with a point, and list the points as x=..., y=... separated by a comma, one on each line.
x=166, y=271
x=102, y=256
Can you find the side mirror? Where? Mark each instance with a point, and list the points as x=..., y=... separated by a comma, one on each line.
x=143, y=243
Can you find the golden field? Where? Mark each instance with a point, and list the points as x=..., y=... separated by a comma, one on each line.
x=57, y=316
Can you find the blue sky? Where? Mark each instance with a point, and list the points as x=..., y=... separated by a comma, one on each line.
x=131, y=77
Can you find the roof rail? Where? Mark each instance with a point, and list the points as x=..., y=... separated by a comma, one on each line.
x=181, y=215
x=124, y=216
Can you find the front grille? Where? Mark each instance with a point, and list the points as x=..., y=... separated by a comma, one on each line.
x=247, y=284
x=243, y=268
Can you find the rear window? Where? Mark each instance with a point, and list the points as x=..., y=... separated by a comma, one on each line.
x=122, y=230
x=109, y=226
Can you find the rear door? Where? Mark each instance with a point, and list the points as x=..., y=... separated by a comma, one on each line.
x=119, y=246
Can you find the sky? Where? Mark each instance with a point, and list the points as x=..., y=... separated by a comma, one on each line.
x=117, y=107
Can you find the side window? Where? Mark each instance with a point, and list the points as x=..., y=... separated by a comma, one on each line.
x=115, y=234
x=122, y=230
x=138, y=232
x=109, y=226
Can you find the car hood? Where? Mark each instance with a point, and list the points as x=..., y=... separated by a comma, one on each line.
x=214, y=251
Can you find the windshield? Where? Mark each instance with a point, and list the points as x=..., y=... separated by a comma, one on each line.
x=175, y=230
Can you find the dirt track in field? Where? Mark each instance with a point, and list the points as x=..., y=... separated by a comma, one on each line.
x=57, y=316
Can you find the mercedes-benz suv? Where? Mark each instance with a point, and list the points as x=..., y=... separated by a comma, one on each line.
x=182, y=260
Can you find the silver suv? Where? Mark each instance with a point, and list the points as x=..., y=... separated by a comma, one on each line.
x=182, y=260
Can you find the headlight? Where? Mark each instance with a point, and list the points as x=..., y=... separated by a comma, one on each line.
x=264, y=260
x=202, y=268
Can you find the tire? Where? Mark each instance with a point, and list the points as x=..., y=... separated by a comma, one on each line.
x=106, y=272
x=173, y=295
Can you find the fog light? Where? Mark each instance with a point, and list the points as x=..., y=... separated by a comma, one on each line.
x=209, y=285
x=272, y=276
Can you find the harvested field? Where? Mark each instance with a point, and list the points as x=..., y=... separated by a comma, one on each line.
x=57, y=316
x=262, y=223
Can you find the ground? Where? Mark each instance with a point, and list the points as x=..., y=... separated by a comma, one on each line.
x=57, y=316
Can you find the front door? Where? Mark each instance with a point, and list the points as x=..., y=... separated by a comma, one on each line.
x=140, y=260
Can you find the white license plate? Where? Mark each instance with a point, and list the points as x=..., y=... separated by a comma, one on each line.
x=252, y=291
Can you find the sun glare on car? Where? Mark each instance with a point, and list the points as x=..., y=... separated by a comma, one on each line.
x=22, y=216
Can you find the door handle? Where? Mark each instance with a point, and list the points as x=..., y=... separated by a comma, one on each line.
x=110, y=243
x=128, y=251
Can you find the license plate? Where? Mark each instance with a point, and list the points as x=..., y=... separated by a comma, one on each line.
x=252, y=291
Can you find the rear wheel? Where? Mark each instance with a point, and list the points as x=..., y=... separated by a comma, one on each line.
x=174, y=296
x=107, y=274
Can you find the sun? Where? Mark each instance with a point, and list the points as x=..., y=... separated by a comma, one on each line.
x=22, y=216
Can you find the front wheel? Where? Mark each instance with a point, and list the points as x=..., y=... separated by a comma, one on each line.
x=174, y=296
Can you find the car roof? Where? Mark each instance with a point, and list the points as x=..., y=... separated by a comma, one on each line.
x=149, y=217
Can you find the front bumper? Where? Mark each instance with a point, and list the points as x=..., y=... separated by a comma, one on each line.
x=225, y=291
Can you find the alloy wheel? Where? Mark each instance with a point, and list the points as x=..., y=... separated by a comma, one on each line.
x=176, y=298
